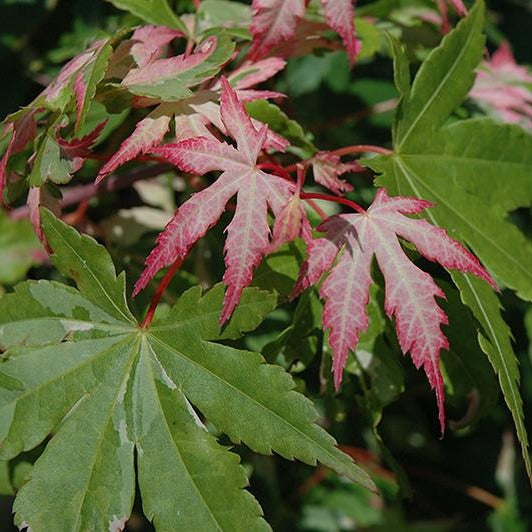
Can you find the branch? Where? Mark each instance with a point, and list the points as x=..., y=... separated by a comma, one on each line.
x=79, y=193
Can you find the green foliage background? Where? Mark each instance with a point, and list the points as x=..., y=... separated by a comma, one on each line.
x=37, y=36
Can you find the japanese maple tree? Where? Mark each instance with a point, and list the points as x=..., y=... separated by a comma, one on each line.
x=142, y=378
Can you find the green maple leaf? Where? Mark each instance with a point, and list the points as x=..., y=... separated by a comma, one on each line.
x=79, y=369
x=153, y=11
x=475, y=171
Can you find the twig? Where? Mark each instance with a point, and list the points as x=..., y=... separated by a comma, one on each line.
x=79, y=193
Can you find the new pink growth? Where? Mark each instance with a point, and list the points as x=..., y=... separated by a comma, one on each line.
x=410, y=292
x=277, y=21
x=274, y=21
x=328, y=167
x=340, y=15
x=502, y=87
x=248, y=233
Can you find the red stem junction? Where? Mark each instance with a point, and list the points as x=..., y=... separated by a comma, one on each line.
x=347, y=150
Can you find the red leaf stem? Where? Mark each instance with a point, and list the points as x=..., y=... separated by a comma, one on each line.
x=327, y=197
x=347, y=150
x=160, y=291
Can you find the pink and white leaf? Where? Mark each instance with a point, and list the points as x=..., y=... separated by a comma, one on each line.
x=410, y=299
x=248, y=234
x=211, y=112
x=238, y=124
x=346, y=294
x=190, y=125
x=163, y=69
x=252, y=73
x=410, y=296
x=247, y=240
x=340, y=15
x=192, y=220
x=274, y=21
x=149, y=132
x=150, y=43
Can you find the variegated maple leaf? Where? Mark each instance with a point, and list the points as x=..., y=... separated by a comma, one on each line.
x=328, y=168
x=410, y=292
x=192, y=115
x=275, y=21
x=248, y=233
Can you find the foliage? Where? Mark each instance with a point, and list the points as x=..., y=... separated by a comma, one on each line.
x=186, y=120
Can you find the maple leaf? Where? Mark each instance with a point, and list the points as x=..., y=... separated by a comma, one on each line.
x=490, y=164
x=119, y=404
x=276, y=21
x=171, y=78
x=410, y=292
x=503, y=88
x=327, y=168
x=248, y=233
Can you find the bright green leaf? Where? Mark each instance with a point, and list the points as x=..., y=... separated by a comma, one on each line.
x=152, y=11
x=20, y=249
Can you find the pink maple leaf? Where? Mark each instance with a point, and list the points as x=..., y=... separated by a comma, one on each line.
x=502, y=88
x=340, y=15
x=410, y=292
x=277, y=21
x=248, y=233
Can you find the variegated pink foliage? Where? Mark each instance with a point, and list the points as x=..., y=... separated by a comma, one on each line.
x=503, y=88
x=248, y=234
x=23, y=126
x=22, y=131
x=328, y=167
x=193, y=115
x=169, y=67
x=292, y=221
x=276, y=21
x=150, y=42
x=410, y=292
x=149, y=132
x=340, y=15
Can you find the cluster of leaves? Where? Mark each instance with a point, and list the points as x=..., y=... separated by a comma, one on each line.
x=146, y=394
